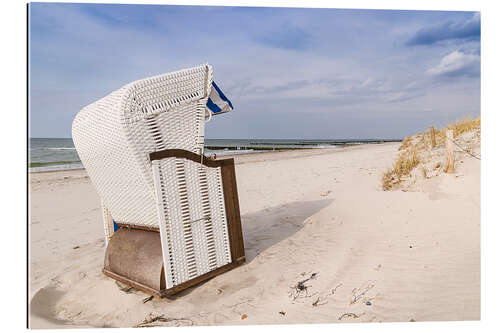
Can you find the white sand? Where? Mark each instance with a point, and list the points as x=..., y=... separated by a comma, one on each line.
x=413, y=254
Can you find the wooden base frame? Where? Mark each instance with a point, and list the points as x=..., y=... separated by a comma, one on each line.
x=169, y=292
x=233, y=224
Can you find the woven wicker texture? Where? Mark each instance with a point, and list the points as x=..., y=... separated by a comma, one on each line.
x=114, y=137
x=108, y=222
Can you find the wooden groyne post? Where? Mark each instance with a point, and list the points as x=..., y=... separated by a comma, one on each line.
x=433, y=137
x=450, y=158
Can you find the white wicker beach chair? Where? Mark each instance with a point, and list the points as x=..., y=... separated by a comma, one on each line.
x=177, y=211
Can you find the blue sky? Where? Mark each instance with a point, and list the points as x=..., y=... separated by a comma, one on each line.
x=290, y=72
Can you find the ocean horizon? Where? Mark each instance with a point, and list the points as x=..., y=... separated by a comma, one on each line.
x=47, y=154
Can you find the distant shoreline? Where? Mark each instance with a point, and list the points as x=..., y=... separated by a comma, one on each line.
x=229, y=153
x=221, y=147
x=261, y=144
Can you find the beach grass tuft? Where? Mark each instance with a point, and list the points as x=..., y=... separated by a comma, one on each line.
x=402, y=167
x=406, y=143
x=466, y=125
x=414, y=147
x=459, y=128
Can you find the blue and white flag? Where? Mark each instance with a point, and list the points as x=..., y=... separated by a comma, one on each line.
x=217, y=102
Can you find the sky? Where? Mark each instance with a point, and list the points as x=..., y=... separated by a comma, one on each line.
x=289, y=72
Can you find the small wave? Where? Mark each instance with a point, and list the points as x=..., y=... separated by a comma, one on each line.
x=56, y=167
x=325, y=146
x=42, y=164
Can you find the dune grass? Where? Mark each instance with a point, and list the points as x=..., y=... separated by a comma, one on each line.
x=459, y=128
x=406, y=143
x=402, y=167
x=412, y=146
x=465, y=126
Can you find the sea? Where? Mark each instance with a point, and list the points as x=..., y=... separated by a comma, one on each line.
x=50, y=154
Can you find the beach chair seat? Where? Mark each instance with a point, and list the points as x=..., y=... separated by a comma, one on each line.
x=171, y=215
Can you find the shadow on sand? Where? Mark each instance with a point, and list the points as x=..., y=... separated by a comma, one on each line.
x=270, y=226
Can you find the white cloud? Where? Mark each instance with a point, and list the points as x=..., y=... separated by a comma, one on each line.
x=457, y=63
x=354, y=72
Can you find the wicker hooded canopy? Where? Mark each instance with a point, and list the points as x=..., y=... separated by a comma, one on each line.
x=180, y=197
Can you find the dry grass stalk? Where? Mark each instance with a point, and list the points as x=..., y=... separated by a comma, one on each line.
x=406, y=143
x=358, y=293
x=151, y=321
x=466, y=125
x=433, y=137
x=403, y=166
x=350, y=315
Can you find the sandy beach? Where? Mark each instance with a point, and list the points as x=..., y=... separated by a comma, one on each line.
x=314, y=216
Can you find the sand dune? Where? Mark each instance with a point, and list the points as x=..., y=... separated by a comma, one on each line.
x=317, y=216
